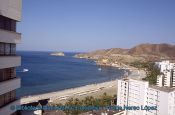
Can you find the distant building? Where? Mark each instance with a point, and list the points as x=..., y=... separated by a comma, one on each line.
x=132, y=92
x=167, y=78
x=10, y=14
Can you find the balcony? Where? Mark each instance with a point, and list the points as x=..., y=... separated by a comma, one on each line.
x=9, y=36
x=9, y=85
x=9, y=61
x=6, y=110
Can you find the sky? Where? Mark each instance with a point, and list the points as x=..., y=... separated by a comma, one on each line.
x=87, y=25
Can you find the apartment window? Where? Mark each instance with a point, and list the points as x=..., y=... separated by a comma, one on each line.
x=2, y=75
x=13, y=49
x=1, y=100
x=7, y=49
x=7, y=98
x=6, y=74
x=7, y=24
x=2, y=48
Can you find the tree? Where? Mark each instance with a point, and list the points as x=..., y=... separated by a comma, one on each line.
x=152, y=72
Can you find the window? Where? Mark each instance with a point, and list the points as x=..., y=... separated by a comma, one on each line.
x=10, y=73
x=7, y=98
x=1, y=100
x=13, y=49
x=7, y=49
x=6, y=74
x=2, y=48
x=13, y=95
x=7, y=24
x=1, y=75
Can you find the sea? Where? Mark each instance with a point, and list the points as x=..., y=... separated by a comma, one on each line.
x=42, y=73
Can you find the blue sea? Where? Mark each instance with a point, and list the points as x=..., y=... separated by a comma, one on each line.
x=48, y=73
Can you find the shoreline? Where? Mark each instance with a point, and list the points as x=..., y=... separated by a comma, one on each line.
x=110, y=87
x=67, y=93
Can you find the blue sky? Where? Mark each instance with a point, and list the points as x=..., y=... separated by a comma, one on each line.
x=87, y=25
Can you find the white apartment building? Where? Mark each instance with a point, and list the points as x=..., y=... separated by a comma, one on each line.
x=133, y=92
x=168, y=74
x=10, y=14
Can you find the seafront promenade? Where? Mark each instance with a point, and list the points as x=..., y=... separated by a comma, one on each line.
x=110, y=87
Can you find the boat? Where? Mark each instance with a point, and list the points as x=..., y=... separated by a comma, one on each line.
x=99, y=69
x=25, y=70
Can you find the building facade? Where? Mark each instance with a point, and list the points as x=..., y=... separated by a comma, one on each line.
x=167, y=78
x=132, y=92
x=10, y=14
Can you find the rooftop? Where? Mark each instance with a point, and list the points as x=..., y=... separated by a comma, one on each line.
x=164, y=88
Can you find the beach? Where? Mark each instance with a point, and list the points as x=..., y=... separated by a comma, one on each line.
x=96, y=90
x=61, y=96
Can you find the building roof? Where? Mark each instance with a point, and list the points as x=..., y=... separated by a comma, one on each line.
x=164, y=88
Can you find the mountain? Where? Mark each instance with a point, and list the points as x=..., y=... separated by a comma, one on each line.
x=142, y=52
x=164, y=50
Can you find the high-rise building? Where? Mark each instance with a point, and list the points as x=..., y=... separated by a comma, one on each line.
x=10, y=14
x=167, y=78
x=134, y=92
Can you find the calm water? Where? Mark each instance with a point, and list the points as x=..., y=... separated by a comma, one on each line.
x=51, y=73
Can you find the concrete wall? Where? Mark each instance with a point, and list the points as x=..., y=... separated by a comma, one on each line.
x=11, y=9
x=9, y=85
x=9, y=61
x=9, y=37
x=6, y=109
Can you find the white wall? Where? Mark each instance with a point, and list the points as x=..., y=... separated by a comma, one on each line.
x=171, y=103
x=137, y=95
x=121, y=98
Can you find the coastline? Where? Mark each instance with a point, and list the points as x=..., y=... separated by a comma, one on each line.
x=110, y=87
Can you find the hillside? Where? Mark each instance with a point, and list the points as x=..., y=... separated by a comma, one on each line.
x=163, y=50
x=142, y=52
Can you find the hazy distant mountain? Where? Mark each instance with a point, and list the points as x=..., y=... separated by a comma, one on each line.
x=143, y=52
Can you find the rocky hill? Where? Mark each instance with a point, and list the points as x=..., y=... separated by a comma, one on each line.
x=142, y=52
x=162, y=50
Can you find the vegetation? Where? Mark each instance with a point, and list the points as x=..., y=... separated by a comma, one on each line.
x=139, y=65
x=102, y=101
x=152, y=71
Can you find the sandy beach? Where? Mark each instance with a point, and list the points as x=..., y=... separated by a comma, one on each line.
x=110, y=87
